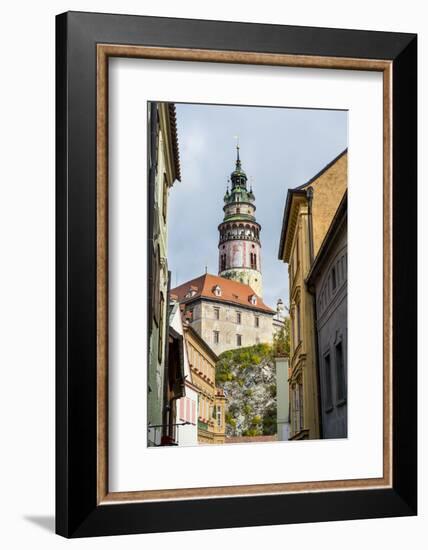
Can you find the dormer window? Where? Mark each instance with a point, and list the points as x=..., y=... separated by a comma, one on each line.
x=217, y=290
x=253, y=299
x=191, y=292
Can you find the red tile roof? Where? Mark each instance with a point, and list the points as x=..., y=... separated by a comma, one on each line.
x=231, y=292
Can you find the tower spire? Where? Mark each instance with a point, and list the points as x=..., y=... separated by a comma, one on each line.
x=238, y=160
x=239, y=233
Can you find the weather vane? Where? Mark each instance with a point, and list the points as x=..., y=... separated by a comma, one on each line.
x=237, y=143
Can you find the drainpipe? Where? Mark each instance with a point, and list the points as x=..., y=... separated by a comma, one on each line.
x=166, y=406
x=309, y=196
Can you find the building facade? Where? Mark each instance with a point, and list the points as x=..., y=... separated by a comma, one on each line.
x=282, y=399
x=239, y=248
x=211, y=422
x=225, y=313
x=186, y=409
x=327, y=280
x=164, y=170
x=309, y=211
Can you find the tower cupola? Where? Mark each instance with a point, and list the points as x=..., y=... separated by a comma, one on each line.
x=239, y=243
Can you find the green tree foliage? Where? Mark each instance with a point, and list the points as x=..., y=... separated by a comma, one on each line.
x=281, y=340
x=269, y=424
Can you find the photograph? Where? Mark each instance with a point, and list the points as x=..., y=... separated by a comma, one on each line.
x=247, y=260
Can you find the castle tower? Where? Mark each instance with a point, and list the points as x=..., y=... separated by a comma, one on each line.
x=239, y=244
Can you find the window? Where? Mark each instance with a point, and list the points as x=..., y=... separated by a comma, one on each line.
x=217, y=313
x=219, y=422
x=298, y=322
x=217, y=290
x=223, y=262
x=340, y=373
x=297, y=405
x=327, y=381
x=238, y=210
x=253, y=261
x=216, y=336
x=301, y=406
x=156, y=284
x=161, y=327
x=257, y=321
x=164, y=197
x=238, y=317
x=238, y=340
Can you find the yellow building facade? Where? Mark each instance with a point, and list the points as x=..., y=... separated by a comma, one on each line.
x=308, y=213
x=211, y=400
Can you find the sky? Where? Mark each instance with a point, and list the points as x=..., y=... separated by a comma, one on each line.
x=279, y=148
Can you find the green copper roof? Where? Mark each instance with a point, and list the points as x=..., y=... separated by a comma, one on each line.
x=238, y=217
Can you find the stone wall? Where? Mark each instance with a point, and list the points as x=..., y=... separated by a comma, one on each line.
x=205, y=323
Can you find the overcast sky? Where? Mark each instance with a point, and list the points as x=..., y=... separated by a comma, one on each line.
x=279, y=148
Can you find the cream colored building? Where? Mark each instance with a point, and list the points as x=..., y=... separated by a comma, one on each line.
x=308, y=213
x=225, y=313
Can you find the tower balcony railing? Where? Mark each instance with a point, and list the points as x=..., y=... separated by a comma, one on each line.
x=224, y=238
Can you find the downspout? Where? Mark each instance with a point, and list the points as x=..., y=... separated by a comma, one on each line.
x=151, y=170
x=166, y=407
x=309, y=196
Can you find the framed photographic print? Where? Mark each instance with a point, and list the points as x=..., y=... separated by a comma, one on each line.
x=236, y=274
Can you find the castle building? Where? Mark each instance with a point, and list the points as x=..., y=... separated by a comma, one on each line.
x=308, y=215
x=225, y=313
x=239, y=245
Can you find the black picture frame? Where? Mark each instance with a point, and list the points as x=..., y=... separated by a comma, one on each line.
x=77, y=512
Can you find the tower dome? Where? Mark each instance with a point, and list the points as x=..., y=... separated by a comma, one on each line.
x=239, y=233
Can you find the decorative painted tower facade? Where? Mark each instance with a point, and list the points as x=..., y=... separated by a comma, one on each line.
x=239, y=245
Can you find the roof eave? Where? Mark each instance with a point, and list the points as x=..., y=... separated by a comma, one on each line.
x=286, y=218
x=174, y=136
